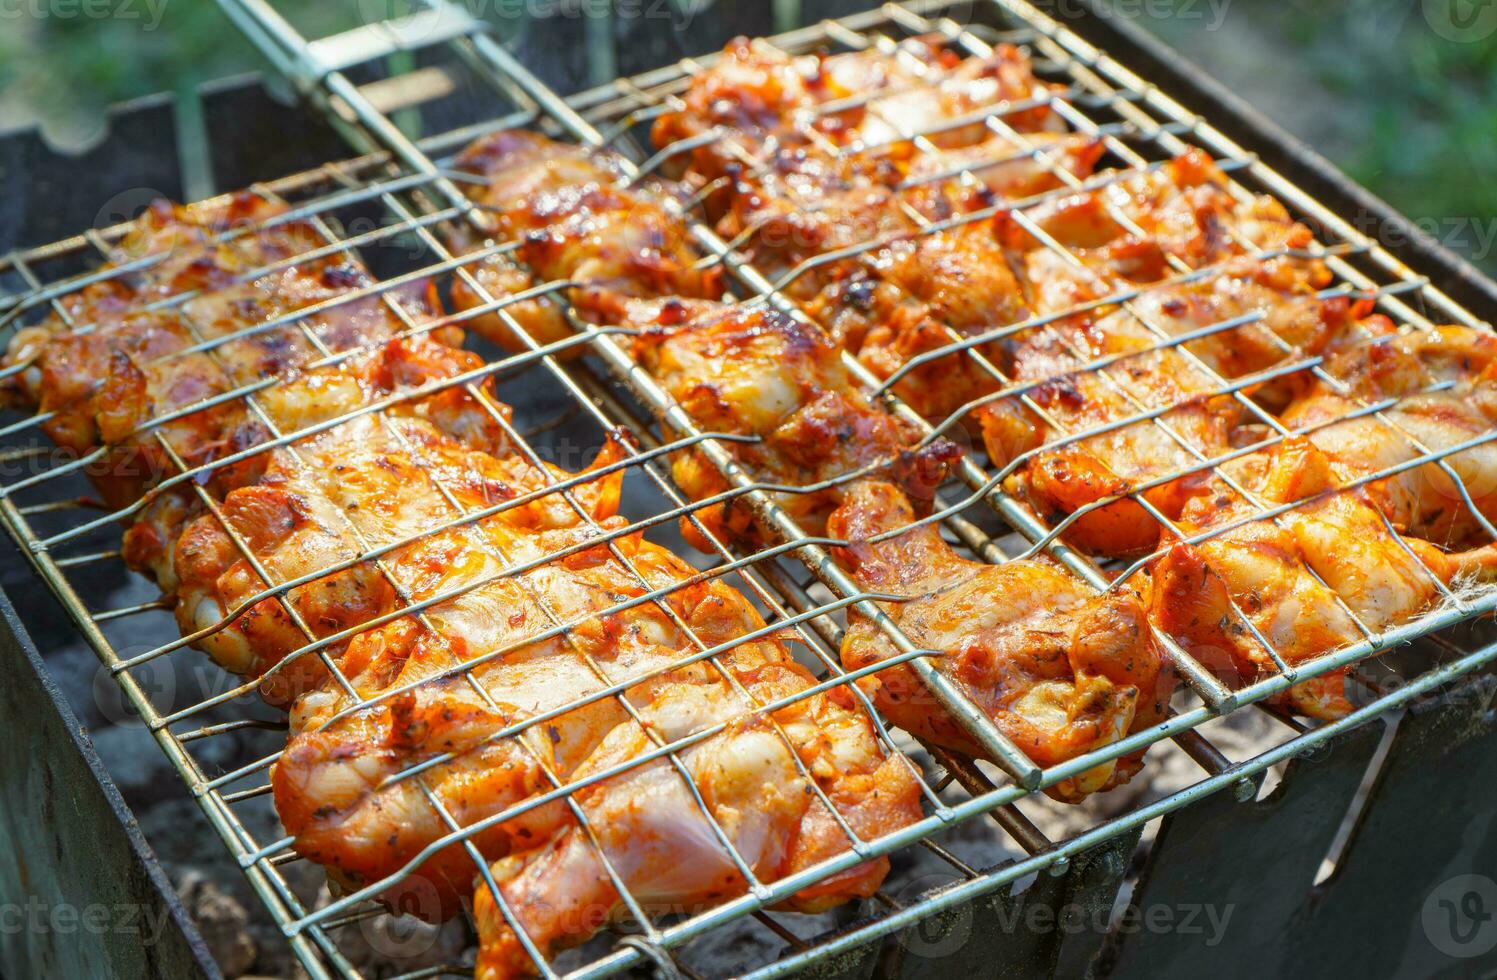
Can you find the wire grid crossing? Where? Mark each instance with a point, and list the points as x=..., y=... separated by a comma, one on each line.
x=419, y=198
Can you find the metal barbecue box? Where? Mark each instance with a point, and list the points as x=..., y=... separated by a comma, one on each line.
x=1254, y=841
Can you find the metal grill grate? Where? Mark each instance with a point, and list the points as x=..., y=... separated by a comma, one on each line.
x=419, y=195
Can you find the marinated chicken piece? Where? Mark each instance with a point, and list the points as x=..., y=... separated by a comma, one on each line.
x=658, y=839
x=759, y=97
x=1296, y=580
x=920, y=295
x=751, y=370
x=1185, y=214
x=944, y=184
x=1443, y=381
x=162, y=246
x=575, y=221
x=398, y=372
x=1152, y=412
x=1060, y=669
x=129, y=380
x=293, y=520
x=797, y=208
x=803, y=204
x=514, y=634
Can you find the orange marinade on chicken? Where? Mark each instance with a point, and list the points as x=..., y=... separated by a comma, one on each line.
x=151, y=387
x=1060, y=677
x=492, y=601
x=1158, y=408
x=1300, y=581
x=790, y=202
x=806, y=215
x=759, y=97
x=1445, y=383
x=513, y=633
x=290, y=523
x=572, y=218
x=754, y=371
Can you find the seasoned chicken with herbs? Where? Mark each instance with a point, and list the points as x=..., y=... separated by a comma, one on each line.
x=753, y=371
x=1060, y=669
x=1444, y=395
x=1325, y=574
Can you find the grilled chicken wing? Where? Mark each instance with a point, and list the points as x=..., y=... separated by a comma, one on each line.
x=1059, y=669
x=574, y=222
x=753, y=371
x=1302, y=581
x=513, y=634
x=1443, y=382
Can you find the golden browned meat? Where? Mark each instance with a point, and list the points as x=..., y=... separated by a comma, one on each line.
x=914, y=296
x=799, y=184
x=1060, y=669
x=147, y=385
x=1185, y=214
x=661, y=843
x=761, y=96
x=491, y=599
x=1298, y=580
x=1148, y=226
x=750, y=370
x=574, y=221
x=1446, y=396
x=513, y=635
x=302, y=512
x=1173, y=418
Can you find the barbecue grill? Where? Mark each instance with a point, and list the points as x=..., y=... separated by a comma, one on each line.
x=1374, y=820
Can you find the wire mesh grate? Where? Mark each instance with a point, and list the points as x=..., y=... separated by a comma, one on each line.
x=803, y=595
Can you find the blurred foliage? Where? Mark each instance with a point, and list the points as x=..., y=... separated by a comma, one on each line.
x=65, y=67
x=1394, y=91
x=1374, y=84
